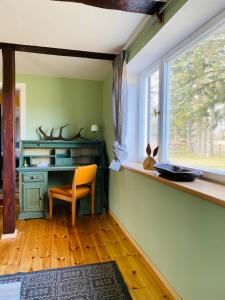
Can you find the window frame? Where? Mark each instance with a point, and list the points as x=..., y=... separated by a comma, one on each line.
x=204, y=31
x=142, y=81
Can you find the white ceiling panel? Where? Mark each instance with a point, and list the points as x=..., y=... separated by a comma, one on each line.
x=59, y=66
x=65, y=25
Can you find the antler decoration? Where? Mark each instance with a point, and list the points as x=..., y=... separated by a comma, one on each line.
x=60, y=136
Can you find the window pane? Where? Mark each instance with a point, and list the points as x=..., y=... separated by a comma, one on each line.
x=150, y=113
x=197, y=105
x=154, y=108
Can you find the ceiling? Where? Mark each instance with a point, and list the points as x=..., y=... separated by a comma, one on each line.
x=65, y=25
x=62, y=66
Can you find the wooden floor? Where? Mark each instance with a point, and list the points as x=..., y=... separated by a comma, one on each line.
x=44, y=245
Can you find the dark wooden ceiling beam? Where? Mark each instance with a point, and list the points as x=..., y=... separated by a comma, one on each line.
x=58, y=51
x=148, y=7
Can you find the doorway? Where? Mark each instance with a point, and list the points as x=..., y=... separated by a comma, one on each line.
x=20, y=134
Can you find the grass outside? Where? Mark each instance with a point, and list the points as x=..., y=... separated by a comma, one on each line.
x=195, y=160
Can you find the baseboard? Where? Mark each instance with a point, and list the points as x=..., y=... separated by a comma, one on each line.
x=170, y=290
x=10, y=236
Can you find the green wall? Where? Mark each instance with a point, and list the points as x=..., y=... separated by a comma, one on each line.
x=53, y=102
x=183, y=235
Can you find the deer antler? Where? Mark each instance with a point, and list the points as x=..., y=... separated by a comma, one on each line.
x=43, y=133
x=61, y=129
x=77, y=136
x=51, y=133
x=60, y=137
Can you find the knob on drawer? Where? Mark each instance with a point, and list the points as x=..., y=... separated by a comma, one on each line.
x=32, y=177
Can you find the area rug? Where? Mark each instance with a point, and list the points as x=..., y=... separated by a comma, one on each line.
x=96, y=281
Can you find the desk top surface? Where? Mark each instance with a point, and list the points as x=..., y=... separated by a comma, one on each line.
x=49, y=168
x=46, y=169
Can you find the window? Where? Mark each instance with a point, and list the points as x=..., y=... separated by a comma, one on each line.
x=192, y=131
x=196, y=104
x=150, y=110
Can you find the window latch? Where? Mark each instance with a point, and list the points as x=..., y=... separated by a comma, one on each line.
x=156, y=112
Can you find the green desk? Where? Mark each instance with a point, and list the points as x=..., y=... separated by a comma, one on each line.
x=62, y=159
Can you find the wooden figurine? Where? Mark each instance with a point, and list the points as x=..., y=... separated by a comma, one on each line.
x=149, y=162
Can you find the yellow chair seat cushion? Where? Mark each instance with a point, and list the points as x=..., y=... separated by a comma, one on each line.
x=67, y=191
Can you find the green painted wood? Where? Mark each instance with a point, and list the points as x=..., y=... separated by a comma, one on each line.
x=63, y=161
x=51, y=168
x=64, y=157
x=60, y=144
x=34, y=177
x=34, y=194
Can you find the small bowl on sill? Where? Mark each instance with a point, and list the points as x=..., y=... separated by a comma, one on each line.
x=177, y=173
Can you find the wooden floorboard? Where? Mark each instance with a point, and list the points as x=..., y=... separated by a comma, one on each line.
x=44, y=245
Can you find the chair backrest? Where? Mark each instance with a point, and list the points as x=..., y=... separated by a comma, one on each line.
x=84, y=175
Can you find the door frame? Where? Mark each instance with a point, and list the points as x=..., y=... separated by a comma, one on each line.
x=21, y=87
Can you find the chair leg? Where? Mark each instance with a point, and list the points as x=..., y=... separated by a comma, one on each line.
x=50, y=206
x=93, y=203
x=73, y=212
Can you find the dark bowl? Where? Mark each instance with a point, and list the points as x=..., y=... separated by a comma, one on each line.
x=177, y=173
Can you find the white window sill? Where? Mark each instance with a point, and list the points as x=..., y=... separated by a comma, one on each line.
x=207, y=190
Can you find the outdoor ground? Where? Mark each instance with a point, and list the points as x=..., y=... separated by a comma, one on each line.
x=215, y=162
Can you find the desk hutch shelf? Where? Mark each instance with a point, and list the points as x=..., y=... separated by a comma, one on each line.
x=47, y=163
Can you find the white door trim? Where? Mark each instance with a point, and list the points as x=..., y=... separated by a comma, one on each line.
x=23, y=98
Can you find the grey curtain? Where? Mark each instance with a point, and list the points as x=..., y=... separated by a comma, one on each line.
x=119, y=103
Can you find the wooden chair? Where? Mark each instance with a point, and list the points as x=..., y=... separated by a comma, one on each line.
x=82, y=186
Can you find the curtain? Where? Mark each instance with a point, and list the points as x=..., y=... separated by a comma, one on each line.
x=119, y=102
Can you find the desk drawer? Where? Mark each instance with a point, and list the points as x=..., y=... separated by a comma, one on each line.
x=33, y=177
